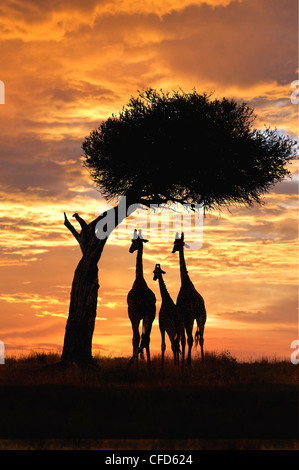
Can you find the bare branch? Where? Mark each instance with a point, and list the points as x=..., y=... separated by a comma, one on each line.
x=71, y=228
x=80, y=220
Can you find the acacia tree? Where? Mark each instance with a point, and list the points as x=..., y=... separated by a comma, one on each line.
x=168, y=148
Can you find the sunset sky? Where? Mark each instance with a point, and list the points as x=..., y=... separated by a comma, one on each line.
x=68, y=65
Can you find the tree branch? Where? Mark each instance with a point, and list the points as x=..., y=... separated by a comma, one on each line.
x=80, y=220
x=72, y=229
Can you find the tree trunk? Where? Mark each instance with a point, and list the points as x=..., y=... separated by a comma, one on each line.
x=82, y=313
x=77, y=346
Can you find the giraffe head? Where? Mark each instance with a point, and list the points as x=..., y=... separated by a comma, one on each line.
x=137, y=241
x=158, y=271
x=179, y=243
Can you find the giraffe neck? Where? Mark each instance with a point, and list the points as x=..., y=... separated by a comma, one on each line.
x=183, y=268
x=139, y=265
x=163, y=288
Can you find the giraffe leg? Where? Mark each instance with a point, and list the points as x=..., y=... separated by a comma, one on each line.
x=175, y=346
x=135, y=342
x=189, y=342
x=183, y=343
x=163, y=346
x=145, y=338
x=147, y=348
x=175, y=352
x=200, y=339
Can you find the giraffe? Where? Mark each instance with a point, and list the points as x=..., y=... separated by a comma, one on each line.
x=141, y=303
x=168, y=317
x=190, y=303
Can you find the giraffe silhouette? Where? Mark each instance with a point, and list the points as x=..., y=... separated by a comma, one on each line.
x=141, y=303
x=169, y=321
x=190, y=303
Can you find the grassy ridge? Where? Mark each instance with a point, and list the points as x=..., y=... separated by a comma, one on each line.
x=219, y=369
x=222, y=400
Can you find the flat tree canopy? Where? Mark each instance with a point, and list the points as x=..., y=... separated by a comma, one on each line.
x=187, y=148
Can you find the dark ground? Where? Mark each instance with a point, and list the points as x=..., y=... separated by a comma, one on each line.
x=226, y=404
